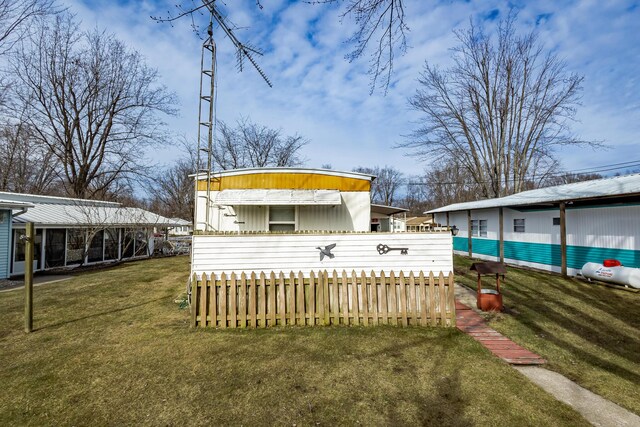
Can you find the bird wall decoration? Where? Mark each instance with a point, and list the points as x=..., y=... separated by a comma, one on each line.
x=326, y=251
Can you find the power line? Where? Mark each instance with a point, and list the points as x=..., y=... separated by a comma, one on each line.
x=603, y=166
x=587, y=171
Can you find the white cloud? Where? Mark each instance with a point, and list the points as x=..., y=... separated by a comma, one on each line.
x=318, y=94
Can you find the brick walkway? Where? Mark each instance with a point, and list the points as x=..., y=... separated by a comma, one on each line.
x=471, y=323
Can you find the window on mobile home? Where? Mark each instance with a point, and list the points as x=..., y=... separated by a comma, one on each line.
x=479, y=227
x=518, y=225
x=282, y=218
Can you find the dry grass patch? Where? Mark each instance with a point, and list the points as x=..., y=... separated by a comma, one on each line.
x=113, y=347
x=589, y=333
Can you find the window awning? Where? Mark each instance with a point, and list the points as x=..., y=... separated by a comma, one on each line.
x=277, y=197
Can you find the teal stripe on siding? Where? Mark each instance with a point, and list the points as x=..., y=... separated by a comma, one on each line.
x=460, y=244
x=549, y=254
x=486, y=247
x=577, y=256
x=541, y=253
x=5, y=242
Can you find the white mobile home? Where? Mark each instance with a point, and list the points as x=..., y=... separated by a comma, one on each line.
x=283, y=219
x=555, y=228
x=284, y=199
x=72, y=232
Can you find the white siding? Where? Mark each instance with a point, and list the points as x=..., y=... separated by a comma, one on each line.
x=612, y=227
x=459, y=219
x=297, y=252
x=353, y=214
x=539, y=226
x=493, y=222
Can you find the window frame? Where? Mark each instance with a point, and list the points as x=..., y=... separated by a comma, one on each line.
x=476, y=230
x=523, y=225
x=288, y=222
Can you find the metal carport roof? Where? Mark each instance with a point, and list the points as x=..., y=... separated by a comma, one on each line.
x=595, y=189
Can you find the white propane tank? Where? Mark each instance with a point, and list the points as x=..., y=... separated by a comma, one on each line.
x=626, y=276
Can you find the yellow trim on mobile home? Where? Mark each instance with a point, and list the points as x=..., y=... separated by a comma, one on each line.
x=286, y=180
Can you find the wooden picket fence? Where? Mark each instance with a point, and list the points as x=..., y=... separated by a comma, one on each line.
x=260, y=301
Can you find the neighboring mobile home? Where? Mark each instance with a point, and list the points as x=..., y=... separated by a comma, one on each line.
x=383, y=218
x=65, y=225
x=419, y=223
x=555, y=228
x=182, y=227
x=7, y=208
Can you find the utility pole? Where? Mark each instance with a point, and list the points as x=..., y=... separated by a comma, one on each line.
x=206, y=110
x=28, y=276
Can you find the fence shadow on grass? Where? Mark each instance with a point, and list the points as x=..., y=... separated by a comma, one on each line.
x=103, y=313
x=585, y=325
x=606, y=299
x=580, y=352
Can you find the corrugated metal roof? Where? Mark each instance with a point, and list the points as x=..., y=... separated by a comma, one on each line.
x=180, y=221
x=599, y=188
x=33, y=198
x=50, y=214
x=277, y=197
x=12, y=204
x=68, y=212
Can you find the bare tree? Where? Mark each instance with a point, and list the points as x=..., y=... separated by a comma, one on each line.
x=15, y=15
x=499, y=111
x=380, y=23
x=26, y=166
x=380, y=31
x=171, y=189
x=252, y=145
x=570, y=177
x=417, y=197
x=92, y=101
x=388, y=182
x=450, y=183
x=15, y=19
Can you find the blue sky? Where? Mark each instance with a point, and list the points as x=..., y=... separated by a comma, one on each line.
x=321, y=96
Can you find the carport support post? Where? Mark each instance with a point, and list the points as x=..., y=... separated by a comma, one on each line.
x=28, y=277
x=469, y=233
x=501, y=237
x=563, y=239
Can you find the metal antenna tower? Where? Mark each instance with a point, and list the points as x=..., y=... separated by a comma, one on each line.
x=206, y=124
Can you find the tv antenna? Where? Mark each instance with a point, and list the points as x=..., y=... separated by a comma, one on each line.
x=206, y=108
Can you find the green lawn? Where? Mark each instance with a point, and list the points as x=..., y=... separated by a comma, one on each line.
x=589, y=333
x=113, y=347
